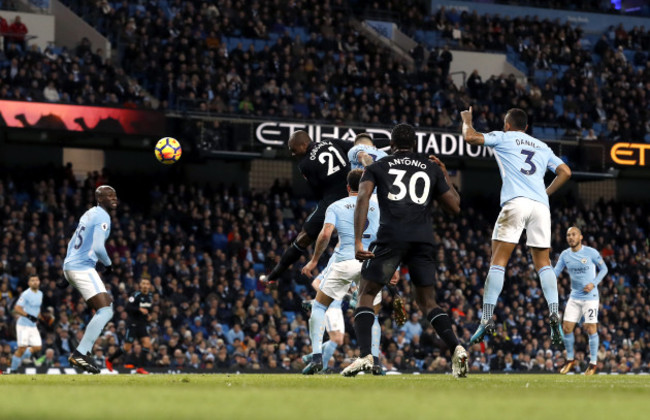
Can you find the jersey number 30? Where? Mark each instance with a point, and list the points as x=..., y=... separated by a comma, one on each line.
x=326, y=156
x=398, y=182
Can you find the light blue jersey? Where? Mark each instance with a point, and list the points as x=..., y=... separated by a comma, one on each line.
x=341, y=215
x=523, y=161
x=31, y=303
x=581, y=266
x=87, y=243
x=372, y=151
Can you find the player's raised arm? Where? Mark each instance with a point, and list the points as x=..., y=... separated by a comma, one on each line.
x=562, y=175
x=366, y=188
x=470, y=135
x=450, y=200
x=321, y=245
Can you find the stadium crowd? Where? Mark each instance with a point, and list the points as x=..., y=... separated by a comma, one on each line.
x=309, y=62
x=203, y=249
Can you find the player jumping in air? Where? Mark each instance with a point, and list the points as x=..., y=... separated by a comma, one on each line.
x=28, y=308
x=407, y=185
x=364, y=152
x=325, y=166
x=581, y=262
x=523, y=161
x=84, y=249
x=344, y=269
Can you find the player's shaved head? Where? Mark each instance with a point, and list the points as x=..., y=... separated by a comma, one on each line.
x=102, y=191
x=363, y=138
x=299, y=142
x=517, y=119
x=106, y=197
x=354, y=178
x=574, y=228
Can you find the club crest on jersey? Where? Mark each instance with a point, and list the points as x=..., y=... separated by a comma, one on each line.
x=104, y=227
x=584, y=261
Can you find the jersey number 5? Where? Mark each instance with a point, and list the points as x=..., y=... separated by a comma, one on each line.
x=399, y=176
x=529, y=160
x=80, y=239
x=331, y=168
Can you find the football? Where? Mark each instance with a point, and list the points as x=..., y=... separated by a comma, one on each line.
x=168, y=150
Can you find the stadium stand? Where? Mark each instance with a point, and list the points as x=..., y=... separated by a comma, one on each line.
x=203, y=249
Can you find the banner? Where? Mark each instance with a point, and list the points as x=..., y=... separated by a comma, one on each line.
x=90, y=119
x=629, y=154
x=276, y=134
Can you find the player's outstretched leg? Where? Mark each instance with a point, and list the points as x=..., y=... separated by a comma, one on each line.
x=290, y=256
x=441, y=322
x=316, y=330
x=549, y=286
x=491, y=292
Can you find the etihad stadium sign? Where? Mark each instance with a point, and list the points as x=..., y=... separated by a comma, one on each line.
x=276, y=134
x=629, y=154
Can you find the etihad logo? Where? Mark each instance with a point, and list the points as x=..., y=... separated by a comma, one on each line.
x=629, y=154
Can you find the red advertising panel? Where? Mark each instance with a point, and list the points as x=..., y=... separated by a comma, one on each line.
x=48, y=116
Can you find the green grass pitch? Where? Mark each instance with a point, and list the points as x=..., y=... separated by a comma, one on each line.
x=399, y=397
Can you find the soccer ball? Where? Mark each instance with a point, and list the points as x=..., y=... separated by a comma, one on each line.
x=168, y=150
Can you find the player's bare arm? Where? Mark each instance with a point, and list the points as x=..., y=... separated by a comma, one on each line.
x=321, y=245
x=365, y=158
x=360, y=217
x=562, y=175
x=470, y=135
x=455, y=208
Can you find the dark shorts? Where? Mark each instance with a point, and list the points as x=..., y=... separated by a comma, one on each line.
x=418, y=256
x=315, y=220
x=135, y=331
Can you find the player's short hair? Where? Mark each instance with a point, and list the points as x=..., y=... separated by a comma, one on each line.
x=574, y=227
x=354, y=178
x=517, y=118
x=362, y=136
x=403, y=136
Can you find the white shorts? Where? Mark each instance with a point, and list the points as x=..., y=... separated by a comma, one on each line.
x=87, y=282
x=576, y=309
x=334, y=320
x=523, y=213
x=339, y=277
x=27, y=336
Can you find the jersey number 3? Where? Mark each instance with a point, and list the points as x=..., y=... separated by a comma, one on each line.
x=529, y=160
x=398, y=182
x=326, y=156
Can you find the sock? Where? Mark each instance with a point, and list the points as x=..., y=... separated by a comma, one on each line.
x=442, y=324
x=15, y=362
x=116, y=355
x=317, y=327
x=328, y=351
x=363, y=319
x=376, y=338
x=569, y=339
x=289, y=257
x=94, y=328
x=492, y=290
x=549, y=287
x=27, y=353
x=594, y=342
